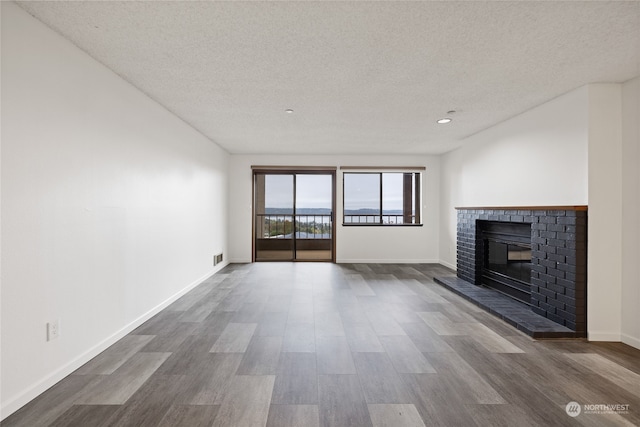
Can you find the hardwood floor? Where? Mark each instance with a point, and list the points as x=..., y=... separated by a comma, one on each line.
x=320, y=344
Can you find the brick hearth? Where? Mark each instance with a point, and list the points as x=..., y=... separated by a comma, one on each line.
x=558, y=257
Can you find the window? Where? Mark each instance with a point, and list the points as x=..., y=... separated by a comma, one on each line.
x=381, y=198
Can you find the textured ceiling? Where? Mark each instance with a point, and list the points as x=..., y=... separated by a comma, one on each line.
x=361, y=77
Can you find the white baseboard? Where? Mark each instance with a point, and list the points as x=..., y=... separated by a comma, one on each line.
x=33, y=391
x=632, y=341
x=448, y=265
x=603, y=336
x=367, y=261
x=387, y=261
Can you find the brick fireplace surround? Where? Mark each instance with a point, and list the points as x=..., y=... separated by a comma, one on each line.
x=558, y=268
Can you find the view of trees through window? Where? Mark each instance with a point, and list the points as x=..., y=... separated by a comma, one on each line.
x=383, y=198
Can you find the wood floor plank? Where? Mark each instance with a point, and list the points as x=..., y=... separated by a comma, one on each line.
x=231, y=303
x=395, y=415
x=425, y=339
x=362, y=338
x=591, y=388
x=622, y=377
x=379, y=380
x=334, y=356
x=293, y=416
x=189, y=358
x=403, y=314
x=455, y=312
x=279, y=303
x=352, y=313
x=324, y=303
x=261, y=357
x=296, y=379
x=235, y=338
x=249, y=312
x=214, y=324
x=299, y=337
x=117, y=388
x=497, y=325
x=371, y=303
x=437, y=400
x=341, y=402
x=302, y=297
x=522, y=393
x=171, y=339
x=297, y=364
x=247, y=403
x=405, y=356
x=210, y=384
x=301, y=313
x=115, y=356
x=399, y=288
x=384, y=324
x=149, y=404
x=299, y=389
x=468, y=379
x=509, y=415
x=328, y=324
x=189, y=416
x=157, y=323
x=426, y=291
x=199, y=312
x=440, y=323
x=272, y=324
x=45, y=408
x=358, y=285
x=191, y=298
x=480, y=359
x=491, y=340
x=86, y=415
x=620, y=353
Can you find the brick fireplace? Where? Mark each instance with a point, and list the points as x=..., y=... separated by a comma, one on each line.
x=557, y=258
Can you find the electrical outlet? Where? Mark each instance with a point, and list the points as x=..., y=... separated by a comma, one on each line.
x=53, y=330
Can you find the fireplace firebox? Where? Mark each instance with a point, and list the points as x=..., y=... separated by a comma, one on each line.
x=506, y=258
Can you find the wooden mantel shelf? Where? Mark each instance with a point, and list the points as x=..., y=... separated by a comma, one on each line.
x=526, y=208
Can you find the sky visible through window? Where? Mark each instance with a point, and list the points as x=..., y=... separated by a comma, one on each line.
x=278, y=191
x=361, y=191
x=313, y=191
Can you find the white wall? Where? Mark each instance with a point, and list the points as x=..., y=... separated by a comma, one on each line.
x=111, y=206
x=538, y=158
x=584, y=149
x=631, y=212
x=604, y=266
x=354, y=244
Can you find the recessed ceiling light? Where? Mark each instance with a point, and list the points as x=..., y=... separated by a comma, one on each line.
x=288, y=111
x=444, y=121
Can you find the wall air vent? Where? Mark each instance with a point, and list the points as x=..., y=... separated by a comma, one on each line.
x=217, y=259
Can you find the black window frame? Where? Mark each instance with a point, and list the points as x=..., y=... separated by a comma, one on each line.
x=415, y=200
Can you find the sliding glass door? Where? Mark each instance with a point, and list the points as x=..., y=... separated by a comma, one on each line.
x=293, y=215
